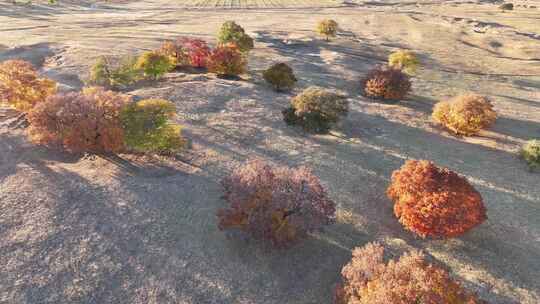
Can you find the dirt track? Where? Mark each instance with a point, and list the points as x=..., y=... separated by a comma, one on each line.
x=124, y=229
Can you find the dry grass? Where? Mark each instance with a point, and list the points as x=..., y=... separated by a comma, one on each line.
x=136, y=230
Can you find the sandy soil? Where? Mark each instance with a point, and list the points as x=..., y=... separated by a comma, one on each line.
x=126, y=229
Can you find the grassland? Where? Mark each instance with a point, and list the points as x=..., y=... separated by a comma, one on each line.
x=138, y=230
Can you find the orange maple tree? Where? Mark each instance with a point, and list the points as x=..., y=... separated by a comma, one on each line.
x=433, y=201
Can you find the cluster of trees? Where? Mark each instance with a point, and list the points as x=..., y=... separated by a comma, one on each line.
x=94, y=120
x=280, y=206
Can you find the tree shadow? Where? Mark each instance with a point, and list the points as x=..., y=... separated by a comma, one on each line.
x=502, y=189
x=34, y=53
x=356, y=169
x=522, y=101
x=329, y=63
x=16, y=150
x=95, y=245
x=522, y=129
x=527, y=84
x=305, y=273
x=142, y=165
x=419, y=103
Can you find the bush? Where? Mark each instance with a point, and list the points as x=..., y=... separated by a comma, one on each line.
x=106, y=74
x=153, y=64
x=100, y=74
x=465, y=114
x=278, y=205
x=227, y=60
x=232, y=33
x=316, y=109
x=186, y=52
x=327, y=28
x=148, y=128
x=405, y=61
x=531, y=153
x=435, y=202
x=198, y=51
x=367, y=279
x=21, y=87
x=175, y=52
x=386, y=83
x=280, y=76
x=80, y=122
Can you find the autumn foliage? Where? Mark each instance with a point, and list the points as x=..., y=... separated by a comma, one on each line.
x=465, y=114
x=367, y=279
x=186, y=51
x=327, y=28
x=227, y=60
x=434, y=202
x=404, y=60
x=278, y=205
x=198, y=51
x=21, y=86
x=80, y=122
x=386, y=83
x=232, y=33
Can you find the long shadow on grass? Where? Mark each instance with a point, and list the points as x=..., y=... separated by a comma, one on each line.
x=135, y=239
x=16, y=150
x=357, y=169
x=510, y=195
x=35, y=53
x=329, y=65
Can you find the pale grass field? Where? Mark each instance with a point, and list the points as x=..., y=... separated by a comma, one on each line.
x=142, y=230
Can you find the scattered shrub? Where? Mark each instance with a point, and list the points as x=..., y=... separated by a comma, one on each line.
x=175, y=52
x=100, y=74
x=405, y=61
x=386, y=83
x=465, y=114
x=106, y=74
x=278, y=205
x=186, y=52
x=316, y=109
x=367, y=279
x=227, y=60
x=148, y=128
x=231, y=32
x=153, y=64
x=21, y=87
x=198, y=51
x=280, y=76
x=433, y=201
x=531, y=153
x=80, y=122
x=330, y=105
x=327, y=28
x=507, y=6
x=126, y=72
